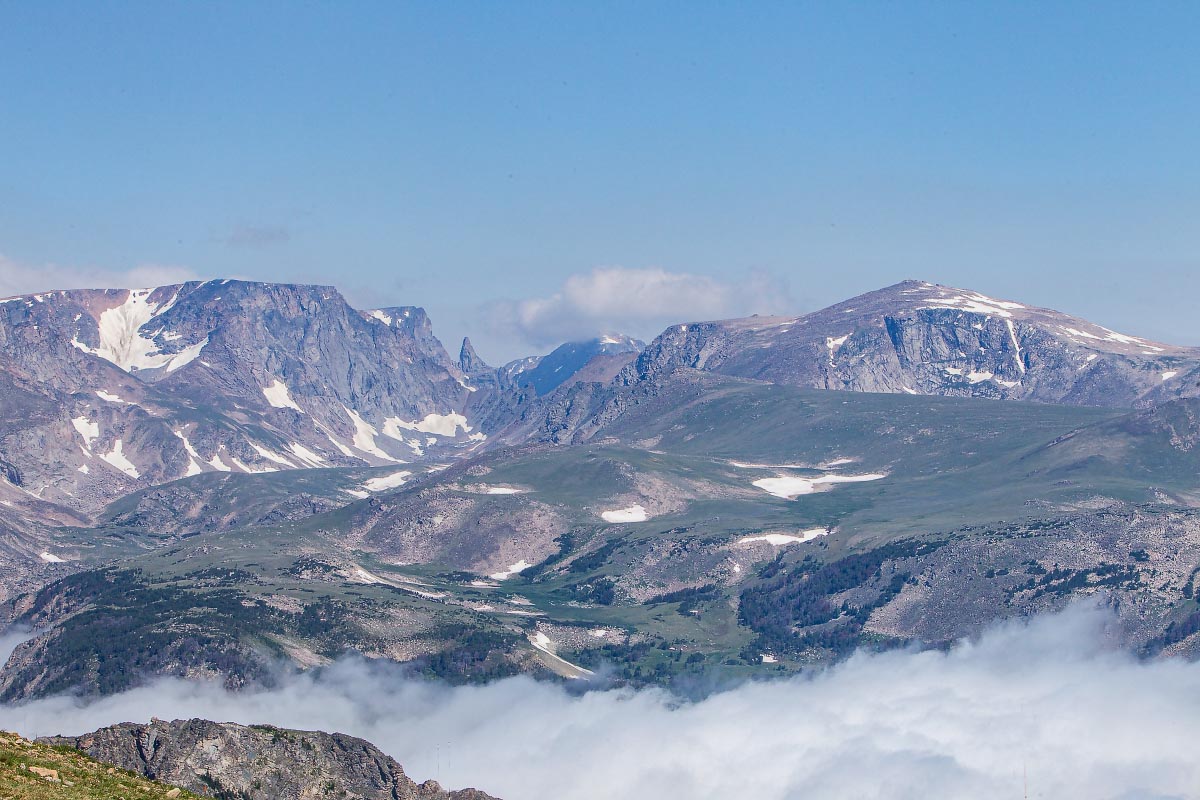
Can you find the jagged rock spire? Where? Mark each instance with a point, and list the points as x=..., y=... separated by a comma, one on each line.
x=469, y=361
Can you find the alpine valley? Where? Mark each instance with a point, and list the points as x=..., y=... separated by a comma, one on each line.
x=210, y=479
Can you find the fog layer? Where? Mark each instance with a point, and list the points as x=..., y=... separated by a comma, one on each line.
x=1050, y=699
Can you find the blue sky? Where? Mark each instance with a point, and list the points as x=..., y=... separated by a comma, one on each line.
x=663, y=159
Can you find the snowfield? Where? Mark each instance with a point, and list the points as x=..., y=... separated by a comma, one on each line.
x=784, y=539
x=789, y=487
x=279, y=396
x=387, y=481
x=631, y=514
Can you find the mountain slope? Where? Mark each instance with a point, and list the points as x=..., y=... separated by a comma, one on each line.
x=920, y=338
x=693, y=498
x=713, y=474
x=109, y=391
x=596, y=360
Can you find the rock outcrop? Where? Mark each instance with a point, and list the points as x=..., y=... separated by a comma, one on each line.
x=257, y=762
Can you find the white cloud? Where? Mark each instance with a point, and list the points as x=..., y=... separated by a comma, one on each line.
x=639, y=302
x=1049, y=697
x=22, y=279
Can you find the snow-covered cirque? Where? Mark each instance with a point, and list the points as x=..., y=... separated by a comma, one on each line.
x=123, y=343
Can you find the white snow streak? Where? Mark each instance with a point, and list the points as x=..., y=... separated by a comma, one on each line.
x=116, y=457
x=364, y=436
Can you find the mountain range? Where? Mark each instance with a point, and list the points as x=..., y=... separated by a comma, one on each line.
x=209, y=478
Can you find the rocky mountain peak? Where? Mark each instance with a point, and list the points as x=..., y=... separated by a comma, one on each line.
x=918, y=337
x=143, y=386
x=469, y=361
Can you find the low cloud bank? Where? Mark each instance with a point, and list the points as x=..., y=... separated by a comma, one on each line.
x=637, y=302
x=1049, y=699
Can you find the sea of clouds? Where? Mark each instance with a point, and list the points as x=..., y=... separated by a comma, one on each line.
x=1048, y=703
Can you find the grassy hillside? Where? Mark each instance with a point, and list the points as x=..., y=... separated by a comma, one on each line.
x=33, y=771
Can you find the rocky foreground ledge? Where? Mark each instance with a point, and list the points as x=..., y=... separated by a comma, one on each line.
x=256, y=762
x=38, y=771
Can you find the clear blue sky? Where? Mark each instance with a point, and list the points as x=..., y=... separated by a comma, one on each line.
x=454, y=155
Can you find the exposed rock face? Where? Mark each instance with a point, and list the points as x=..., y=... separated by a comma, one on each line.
x=257, y=763
x=515, y=397
x=921, y=338
x=596, y=360
x=469, y=361
x=104, y=392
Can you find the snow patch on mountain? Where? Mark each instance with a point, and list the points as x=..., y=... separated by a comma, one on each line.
x=364, y=436
x=89, y=431
x=307, y=456
x=789, y=487
x=341, y=448
x=542, y=643
x=271, y=456
x=634, y=513
x=1012, y=335
x=385, y=482
x=784, y=539
x=439, y=424
x=116, y=457
x=976, y=303
x=279, y=396
x=193, y=467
